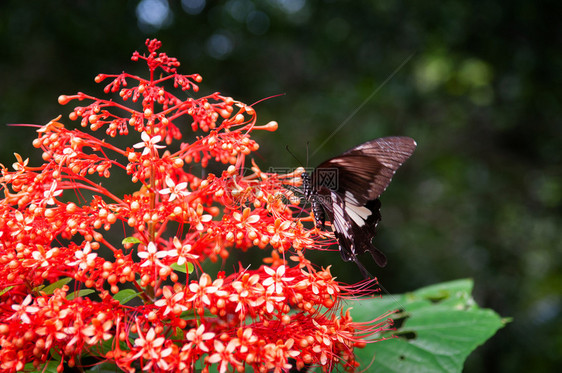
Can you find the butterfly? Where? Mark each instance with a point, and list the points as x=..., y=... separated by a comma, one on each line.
x=346, y=189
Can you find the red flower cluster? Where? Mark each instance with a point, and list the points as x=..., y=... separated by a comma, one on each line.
x=121, y=278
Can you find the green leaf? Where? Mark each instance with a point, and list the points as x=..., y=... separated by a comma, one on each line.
x=437, y=328
x=130, y=240
x=50, y=289
x=177, y=267
x=125, y=295
x=80, y=293
x=50, y=367
x=6, y=289
x=109, y=345
x=181, y=268
x=180, y=333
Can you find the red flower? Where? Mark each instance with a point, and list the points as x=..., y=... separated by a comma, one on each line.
x=128, y=257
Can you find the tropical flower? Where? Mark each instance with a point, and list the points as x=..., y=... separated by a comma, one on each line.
x=148, y=143
x=121, y=273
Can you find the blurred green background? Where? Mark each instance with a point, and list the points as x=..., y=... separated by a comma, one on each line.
x=477, y=84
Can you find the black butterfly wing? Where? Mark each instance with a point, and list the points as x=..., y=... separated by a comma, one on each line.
x=365, y=171
x=355, y=238
x=353, y=182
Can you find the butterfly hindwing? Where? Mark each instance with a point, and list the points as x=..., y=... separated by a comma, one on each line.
x=354, y=231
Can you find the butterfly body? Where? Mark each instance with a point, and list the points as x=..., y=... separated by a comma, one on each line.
x=345, y=190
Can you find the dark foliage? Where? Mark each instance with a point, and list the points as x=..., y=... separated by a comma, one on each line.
x=479, y=89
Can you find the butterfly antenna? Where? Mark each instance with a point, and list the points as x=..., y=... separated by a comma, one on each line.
x=367, y=275
x=294, y=156
x=392, y=296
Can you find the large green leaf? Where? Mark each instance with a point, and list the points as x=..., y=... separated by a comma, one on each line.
x=437, y=327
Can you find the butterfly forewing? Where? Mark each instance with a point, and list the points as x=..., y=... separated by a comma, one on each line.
x=366, y=170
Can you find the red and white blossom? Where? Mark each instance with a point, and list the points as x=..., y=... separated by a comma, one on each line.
x=122, y=276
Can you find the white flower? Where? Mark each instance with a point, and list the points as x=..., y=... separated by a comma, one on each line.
x=85, y=257
x=148, y=143
x=52, y=193
x=174, y=190
x=23, y=309
x=151, y=255
x=183, y=252
x=276, y=282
